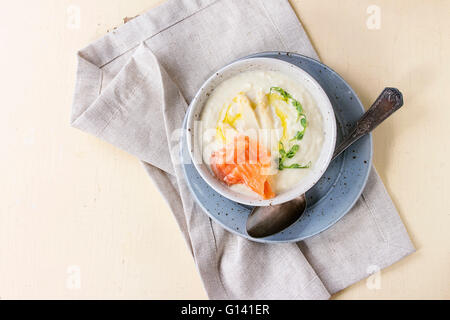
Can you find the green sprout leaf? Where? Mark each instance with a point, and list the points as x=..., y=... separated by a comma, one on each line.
x=304, y=123
x=297, y=166
x=293, y=151
x=299, y=135
x=289, y=155
x=301, y=116
x=286, y=96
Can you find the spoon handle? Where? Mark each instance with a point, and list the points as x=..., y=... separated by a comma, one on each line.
x=389, y=101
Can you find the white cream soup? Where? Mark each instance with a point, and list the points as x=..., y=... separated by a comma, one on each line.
x=257, y=100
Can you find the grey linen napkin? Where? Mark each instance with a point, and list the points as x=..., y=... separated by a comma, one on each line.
x=133, y=88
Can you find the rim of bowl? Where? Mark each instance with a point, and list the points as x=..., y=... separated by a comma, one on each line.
x=195, y=112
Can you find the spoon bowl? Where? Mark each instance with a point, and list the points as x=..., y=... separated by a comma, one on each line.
x=264, y=221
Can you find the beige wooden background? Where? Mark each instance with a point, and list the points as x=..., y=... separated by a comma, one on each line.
x=80, y=219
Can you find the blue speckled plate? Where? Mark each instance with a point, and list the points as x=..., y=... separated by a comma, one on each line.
x=333, y=195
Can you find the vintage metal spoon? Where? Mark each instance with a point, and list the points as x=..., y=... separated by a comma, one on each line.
x=266, y=221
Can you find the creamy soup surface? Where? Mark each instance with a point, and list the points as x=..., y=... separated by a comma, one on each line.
x=283, y=115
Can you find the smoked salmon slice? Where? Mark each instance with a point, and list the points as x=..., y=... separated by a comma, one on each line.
x=244, y=161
